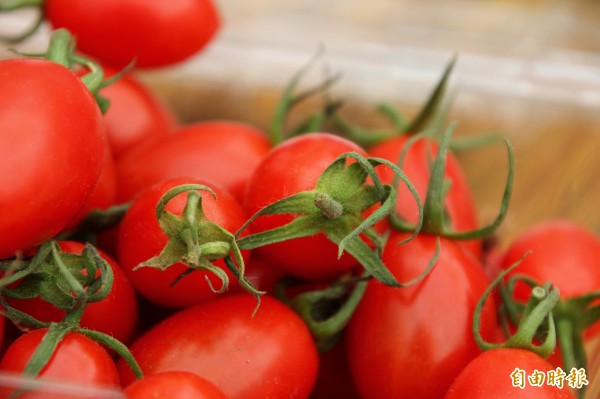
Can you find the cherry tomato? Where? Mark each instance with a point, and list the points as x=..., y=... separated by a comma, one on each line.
x=141, y=238
x=268, y=355
x=52, y=149
x=563, y=252
x=459, y=201
x=77, y=359
x=505, y=374
x=224, y=152
x=413, y=341
x=152, y=33
x=136, y=114
x=292, y=167
x=115, y=315
x=173, y=385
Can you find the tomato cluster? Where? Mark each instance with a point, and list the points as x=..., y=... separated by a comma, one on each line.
x=146, y=257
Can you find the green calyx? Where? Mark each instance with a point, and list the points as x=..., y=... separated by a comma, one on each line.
x=536, y=320
x=197, y=242
x=335, y=208
x=62, y=50
x=67, y=281
x=435, y=217
x=572, y=317
x=327, y=311
x=290, y=99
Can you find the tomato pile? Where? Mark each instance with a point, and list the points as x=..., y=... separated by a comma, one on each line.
x=146, y=257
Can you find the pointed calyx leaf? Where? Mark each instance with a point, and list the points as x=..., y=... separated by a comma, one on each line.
x=572, y=316
x=62, y=50
x=336, y=207
x=67, y=281
x=429, y=118
x=326, y=311
x=536, y=319
x=435, y=217
x=290, y=99
x=197, y=242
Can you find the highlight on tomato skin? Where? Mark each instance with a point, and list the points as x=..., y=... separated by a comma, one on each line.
x=77, y=360
x=41, y=194
x=270, y=354
x=152, y=33
x=173, y=385
x=505, y=373
x=425, y=328
x=292, y=167
x=140, y=238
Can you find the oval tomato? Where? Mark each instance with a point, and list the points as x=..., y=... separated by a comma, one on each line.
x=140, y=238
x=153, y=33
x=413, y=341
x=173, y=385
x=115, y=315
x=52, y=149
x=505, y=374
x=459, y=202
x=292, y=167
x=224, y=152
x=76, y=360
x=268, y=355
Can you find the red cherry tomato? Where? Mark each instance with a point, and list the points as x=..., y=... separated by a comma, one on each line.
x=459, y=201
x=268, y=355
x=77, y=360
x=292, y=167
x=153, y=33
x=115, y=315
x=52, y=149
x=141, y=238
x=563, y=252
x=173, y=385
x=223, y=152
x=505, y=374
x=413, y=341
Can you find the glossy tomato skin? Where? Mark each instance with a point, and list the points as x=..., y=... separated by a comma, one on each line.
x=153, y=33
x=459, y=201
x=115, y=315
x=50, y=162
x=173, y=385
x=413, y=341
x=292, y=167
x=563, y=252
x=136, y=114
x=141, y=238
x=225, y=152
x=77, y=360
x=488, y=376
x=270, y=355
